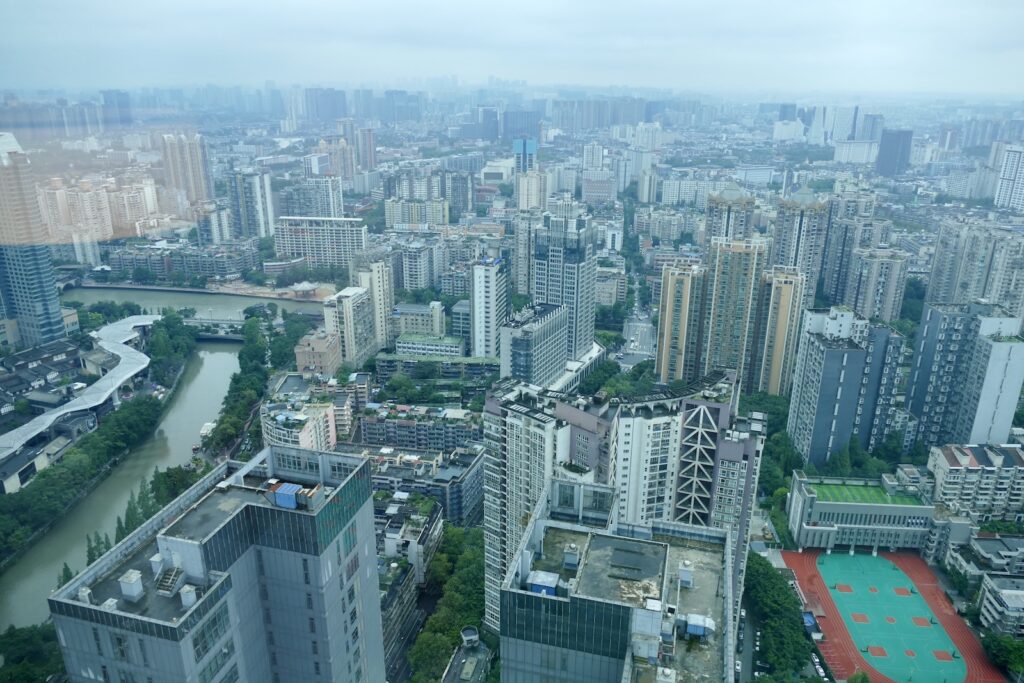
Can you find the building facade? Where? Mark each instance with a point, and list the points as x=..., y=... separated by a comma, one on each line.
x=321, y=241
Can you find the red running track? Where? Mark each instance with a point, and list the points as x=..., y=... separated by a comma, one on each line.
x=837, y=646
x=979, y=669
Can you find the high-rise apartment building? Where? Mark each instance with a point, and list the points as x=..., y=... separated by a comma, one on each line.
x=801, y=225
x=966, y=373
x=734, y=278
x=593, y=156
x=531, y=192
x=187, y=166
x=1010, y=187
x=776, y=331
x=318, y=196
x=681, y=322
x=875, y=282
x=894, y=152
x=533, y=348
x=730, y=215
x=564, y=273
x=489, y=306
x=349, y=314
x=213, y=223
x=210, y=589
x=28, y=289
x=366, y=147
x=252, y=203
x=844, y=383
x=526, y=225
x=325, y=104
x=846, y=234
x=117, y=110
x=978, y=260
x=373, y=272
x=322, y=241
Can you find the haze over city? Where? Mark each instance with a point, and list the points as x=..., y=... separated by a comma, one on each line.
x=746, y=48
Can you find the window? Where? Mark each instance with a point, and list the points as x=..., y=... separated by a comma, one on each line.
x=316, y=647
x=143, y=653
x=312, y=625
x=217, y=662
x=210, y=632
x=309, y=601
x=120, y=646
x=305, y=571
x=96, y=639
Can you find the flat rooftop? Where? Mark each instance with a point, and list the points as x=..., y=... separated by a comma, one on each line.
x=872, y=494
x=622, y=569
x=220, y=504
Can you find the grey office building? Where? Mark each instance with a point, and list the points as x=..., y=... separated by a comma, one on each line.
x=28, y=291
x=894, y=152
x=844, y=384
x=564, y=272
x=533, y=344
x=262, y=571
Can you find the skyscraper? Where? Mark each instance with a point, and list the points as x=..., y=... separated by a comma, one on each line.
x=530, y=190
x=977, y=259
x=252, y=204
x=366, y=146
x=28, y=289
x=776, y=331
x=730, y=215
x=349, y=314
x=187, y=166
x=564, y=272
x=894, y=152
x=325, y=104
x=322, y=241
x=117, y=110
x=489, y=306
x=525, y=152
x=533, y=346
x=1010, y=188
x=593, y=156
x=211, y=589
x=843, y=383
x=734, y=277
x=315, y=197
x=966, y=373
x=373, y=272
x=801, y=225
x=681, y=322
x=875, y=283
x=846, y=234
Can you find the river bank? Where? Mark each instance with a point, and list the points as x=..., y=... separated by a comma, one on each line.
x=221, y=306
x=201, y=388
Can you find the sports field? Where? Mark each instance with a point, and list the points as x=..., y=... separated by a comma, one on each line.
x=878, y=619
x=842, y=493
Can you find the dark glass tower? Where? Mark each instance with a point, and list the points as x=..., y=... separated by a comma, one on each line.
x=28, y=290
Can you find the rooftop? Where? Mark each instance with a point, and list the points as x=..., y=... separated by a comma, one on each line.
x=622, y=569
x=869, y=493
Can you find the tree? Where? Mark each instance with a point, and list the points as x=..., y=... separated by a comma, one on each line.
x=143, y=276
x=859, y=677
x=428, y=657
x=90, y=550
x=23, y=407
x=65, y=575
x=786, y=647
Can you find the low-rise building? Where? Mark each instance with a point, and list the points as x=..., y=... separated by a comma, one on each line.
x=410, y=344
x=423, y=319
x=442, y=367
x=987, y=553
x=318, y=353
x=890, y=513
x=985, y=481
x=224, y=260
x=1002, y=604
x=422, y=428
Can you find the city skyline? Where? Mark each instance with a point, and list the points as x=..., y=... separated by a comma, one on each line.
x=934, y=47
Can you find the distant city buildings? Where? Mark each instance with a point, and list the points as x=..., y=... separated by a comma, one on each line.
x=321, y=241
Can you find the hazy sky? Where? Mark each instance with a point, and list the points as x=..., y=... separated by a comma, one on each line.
x=858, y=46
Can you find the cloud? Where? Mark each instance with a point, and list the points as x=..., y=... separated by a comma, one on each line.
x=911, y=46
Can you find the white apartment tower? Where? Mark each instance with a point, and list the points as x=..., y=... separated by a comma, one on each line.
x=489, y=306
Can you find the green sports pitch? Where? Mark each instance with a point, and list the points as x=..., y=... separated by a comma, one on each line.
x=844, y=493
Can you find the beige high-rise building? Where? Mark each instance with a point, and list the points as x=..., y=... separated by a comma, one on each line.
x=680, y=322
x=729, y=215
x=778, y=330
x=377, y=278
x=734, y=278
x=349, y=314
x=801, y=225
x=875, y=282
x=187, y=165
